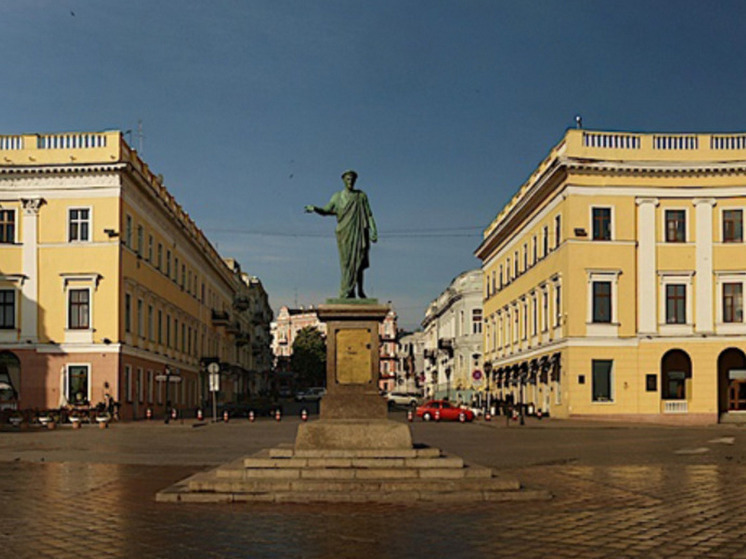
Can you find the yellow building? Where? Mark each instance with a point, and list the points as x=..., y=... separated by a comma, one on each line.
x=108, y=290
x=614, y=280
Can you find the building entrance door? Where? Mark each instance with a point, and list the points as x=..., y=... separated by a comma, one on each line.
x=737, y=394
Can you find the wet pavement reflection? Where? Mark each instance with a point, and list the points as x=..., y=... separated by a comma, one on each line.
x=108, y=510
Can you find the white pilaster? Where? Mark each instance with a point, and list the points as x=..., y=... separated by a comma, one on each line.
x=703, y=314
x=646, y=266
x=30, y=288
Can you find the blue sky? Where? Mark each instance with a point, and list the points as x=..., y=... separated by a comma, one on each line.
x=251, y=109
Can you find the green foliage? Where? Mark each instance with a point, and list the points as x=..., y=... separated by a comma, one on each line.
x=309, y=357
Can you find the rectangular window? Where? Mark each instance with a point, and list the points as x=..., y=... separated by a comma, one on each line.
x=7, y=226
x=500, y=280
x=601, y=224
x=168, y=263
x=79, y=223
x=557, y=231
x=150, y=322
x=159, y=262
x=140, y=240
x=160, y=326
x=183, y=276
x=602, y=301
x=476, y=321
x=176, y=334
x=525, y=257
x=77, y=384
x=545, y=241
x=128, y=231
x=140, y=386
x=7, y=309
x=140, y=319
x=515, y=265
x=534, y=317
x=676, y=304
x=544, y=311
x=675, y=226
x=150, y=386
x=732, y=302
x=79, y=309
x=150, y=248
x=557, y=304
x=127, y=312
x=602, y=380
x=128, y=383
x=732, y=226
x=176, y=269
x=535, y=248
x=168, y=330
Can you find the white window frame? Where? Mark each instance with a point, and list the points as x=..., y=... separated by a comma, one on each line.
x=687, y=224
x=80, y=281
x=68, y=222
x=676, y=278
x=610, y=329
x=612, y=222
x=722, y=211
x=67, y=380
x=15, y=226
x=727, y=328
x=11, y=334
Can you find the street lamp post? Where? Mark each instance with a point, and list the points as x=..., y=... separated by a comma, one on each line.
x=167, y=409
x=487, y=372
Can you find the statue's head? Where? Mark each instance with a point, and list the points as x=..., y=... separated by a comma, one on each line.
x=349, y=177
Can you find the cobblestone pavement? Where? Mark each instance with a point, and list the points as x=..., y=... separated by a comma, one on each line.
x=620, y=491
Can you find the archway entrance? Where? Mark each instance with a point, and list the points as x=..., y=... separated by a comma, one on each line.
x=676, y=370
x=10, y=380
x=732, y=381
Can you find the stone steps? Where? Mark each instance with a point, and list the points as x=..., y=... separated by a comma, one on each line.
x=400, y=476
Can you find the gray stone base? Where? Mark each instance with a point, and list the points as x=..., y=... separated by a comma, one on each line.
x=348, y=434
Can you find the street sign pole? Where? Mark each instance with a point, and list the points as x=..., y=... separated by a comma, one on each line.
x=214, y=370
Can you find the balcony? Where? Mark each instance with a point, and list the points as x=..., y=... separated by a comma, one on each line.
x=242, y=338
x=220, y=318
x=233, y=327
x=241, y=303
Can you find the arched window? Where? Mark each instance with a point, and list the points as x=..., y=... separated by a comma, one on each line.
x=676, y=367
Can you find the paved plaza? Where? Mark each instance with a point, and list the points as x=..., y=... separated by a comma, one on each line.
x=619, y=491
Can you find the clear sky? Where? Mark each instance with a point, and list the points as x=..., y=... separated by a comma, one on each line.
x=251, y=109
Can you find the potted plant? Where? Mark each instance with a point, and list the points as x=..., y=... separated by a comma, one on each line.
x=75, y=419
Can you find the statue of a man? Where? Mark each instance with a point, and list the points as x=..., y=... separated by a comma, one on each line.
x=355, y=231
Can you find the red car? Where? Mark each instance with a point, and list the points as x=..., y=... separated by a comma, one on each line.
x=444, y=410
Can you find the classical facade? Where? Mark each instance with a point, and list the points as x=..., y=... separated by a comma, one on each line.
x=614, y=278
x=453, y=340
x=410, y=375
x=108, y=289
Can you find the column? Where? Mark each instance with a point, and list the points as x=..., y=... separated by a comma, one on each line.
x=646, y=266
x=703, y=313
x=30, y=288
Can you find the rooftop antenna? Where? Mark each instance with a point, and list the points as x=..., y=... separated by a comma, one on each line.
x=579, y=121
x=140, y=136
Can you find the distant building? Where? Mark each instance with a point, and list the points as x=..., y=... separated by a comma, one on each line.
x=108, y=288
x=453, y=340
x=614, y=280
x=410, y=375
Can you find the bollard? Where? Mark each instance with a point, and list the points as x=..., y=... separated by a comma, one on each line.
x=462, y=417
x=410, y=416
x=487, y=416
x=251, y=416
x=174, y=413
x=226, y=416
x=200, y=415
x=278, y=415
x=304, y=414
x=539, y=414
x=437, y=415
x=148, y=414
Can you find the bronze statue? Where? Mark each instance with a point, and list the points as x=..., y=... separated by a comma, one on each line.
x=355, y=231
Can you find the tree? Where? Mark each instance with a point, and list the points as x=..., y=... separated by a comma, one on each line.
x=309, y=357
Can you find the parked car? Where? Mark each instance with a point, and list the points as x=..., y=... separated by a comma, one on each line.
x=405, y=399
x=310, y=395
x=446, y=410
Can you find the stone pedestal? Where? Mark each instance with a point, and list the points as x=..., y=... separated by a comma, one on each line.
x=352, y=413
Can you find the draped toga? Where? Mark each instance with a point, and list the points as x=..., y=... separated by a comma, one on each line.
x=354, y=227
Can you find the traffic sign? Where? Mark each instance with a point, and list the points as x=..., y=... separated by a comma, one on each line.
x=214, y=381
x=213, y=368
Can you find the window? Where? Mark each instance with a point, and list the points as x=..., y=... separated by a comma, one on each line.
x=150, y=386
x=128, y=383
x=535, y=250
x=675, y=304
x=176, y=269
x=183, y=276
x=79, y=224
x=168, y=263
x=140, y=386
x=150, y=248
x=501, y=277
x=544, y=310
x=525, y=257
x=601, y=224
x=732, y=226
x=159, y=262
x=7, y=309
x=78, y=309
x=77, y=384
x=508, y=269
x=732, y=302
x=168, y=330
x=476, y=321
x=524, y=330
x=140, y=319
x=675, y=226
x=7, y=226
x=535, y=316
x=557, y=231
x=515, y=264
x=127, y=312
x=545, y=240
x=602, y=380
x=557, y=304
x=140, y=240
x=602, y=301
x=150, y=322
x=128, y=231
x=160, y=326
